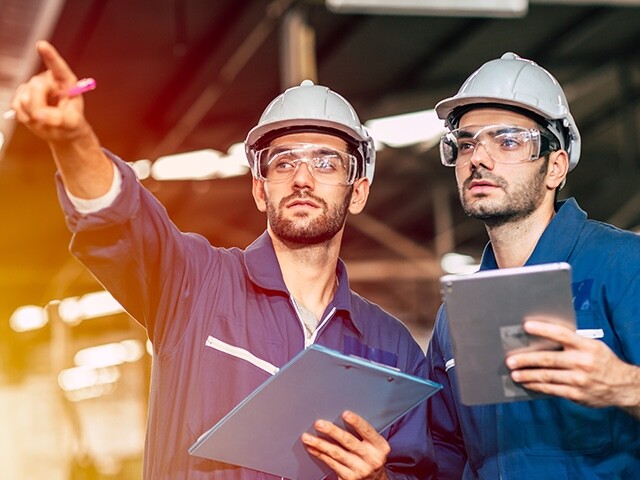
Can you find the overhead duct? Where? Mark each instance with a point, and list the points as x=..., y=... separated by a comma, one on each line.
x=457, y=8
x=471, y=8
x=22, y=23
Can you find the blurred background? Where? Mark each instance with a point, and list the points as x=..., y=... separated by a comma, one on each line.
x=180, y=82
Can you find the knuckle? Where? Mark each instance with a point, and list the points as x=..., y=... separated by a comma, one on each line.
x=386, y=450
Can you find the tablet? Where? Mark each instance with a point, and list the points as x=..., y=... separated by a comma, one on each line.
x=263, y=432
x=485, y=312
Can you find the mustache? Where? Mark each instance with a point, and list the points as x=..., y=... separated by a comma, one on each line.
x=481, y=174
x=302, y=195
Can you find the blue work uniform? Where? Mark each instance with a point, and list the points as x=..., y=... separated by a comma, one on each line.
x=221, y=320
x=551, y=438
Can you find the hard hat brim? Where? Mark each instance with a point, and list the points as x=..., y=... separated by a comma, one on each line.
x=447, y=107
x=258, y=134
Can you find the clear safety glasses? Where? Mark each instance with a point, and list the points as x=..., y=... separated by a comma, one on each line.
x=503, y=143
x=279, y=163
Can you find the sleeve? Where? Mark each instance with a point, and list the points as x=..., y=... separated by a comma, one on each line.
x=443, y=420
x=412, y=454
x=92, y=205
x=625, y=308
x=136, y=252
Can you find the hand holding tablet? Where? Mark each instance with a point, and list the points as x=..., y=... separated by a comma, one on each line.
x=486, y=312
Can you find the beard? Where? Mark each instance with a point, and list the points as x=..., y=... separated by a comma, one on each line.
x=305, y=231
x=523, y=199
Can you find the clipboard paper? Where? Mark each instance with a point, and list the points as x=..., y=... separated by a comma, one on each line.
x=263, y=431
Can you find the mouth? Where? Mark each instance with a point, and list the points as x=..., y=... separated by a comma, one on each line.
x=481, y=186
x=302, y=203
x=481, y=183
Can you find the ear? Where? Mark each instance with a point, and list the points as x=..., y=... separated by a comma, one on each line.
x=558, y=169
x=359, y=195
x=259, y=195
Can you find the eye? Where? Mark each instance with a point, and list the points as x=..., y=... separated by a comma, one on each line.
x=282, y=161
x=466, y=146
x=283, y=165
x=327, y=162
x=510, y=140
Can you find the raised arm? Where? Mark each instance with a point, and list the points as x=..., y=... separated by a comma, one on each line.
x=41, y=105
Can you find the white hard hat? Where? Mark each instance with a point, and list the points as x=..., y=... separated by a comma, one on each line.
x=520, y=83
x=310, y=107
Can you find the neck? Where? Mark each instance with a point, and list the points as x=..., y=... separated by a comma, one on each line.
x=309, y=271
x=514, y=242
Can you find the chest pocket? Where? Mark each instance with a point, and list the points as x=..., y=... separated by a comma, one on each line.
x=353, y=347
x=577, y=430
x=573, y=429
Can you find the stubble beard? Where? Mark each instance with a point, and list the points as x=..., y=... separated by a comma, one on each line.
x=305, y=231
x=520, y=203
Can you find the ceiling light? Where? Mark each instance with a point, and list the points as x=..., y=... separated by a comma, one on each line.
x=199, y=165
x=142, y=168
x=469, y=8
x=196, y=165
x=109, y=354
x=73, y=310
x=28, y=317
x=82, y=383
x=407, y=129
x=457, y=263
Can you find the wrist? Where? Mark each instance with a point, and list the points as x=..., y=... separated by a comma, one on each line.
x=629, y=397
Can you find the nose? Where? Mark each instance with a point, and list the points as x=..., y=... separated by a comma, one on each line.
x=481, y=157
x=302, y=177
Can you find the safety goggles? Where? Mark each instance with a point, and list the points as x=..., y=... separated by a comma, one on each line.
x=503, y=143
x=279, y=163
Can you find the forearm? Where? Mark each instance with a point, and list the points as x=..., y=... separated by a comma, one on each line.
x=629, y=397
x=84, y=168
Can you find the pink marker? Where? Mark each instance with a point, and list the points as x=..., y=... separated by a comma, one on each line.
x=81, y=86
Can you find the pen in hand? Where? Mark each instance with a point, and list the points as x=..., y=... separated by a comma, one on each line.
x=81, y=86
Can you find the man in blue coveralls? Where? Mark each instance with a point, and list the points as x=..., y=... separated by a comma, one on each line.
x=222, y=321
x=512, y=141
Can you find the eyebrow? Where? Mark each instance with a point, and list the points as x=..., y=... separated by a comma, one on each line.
x=508, y=128
x=497, y=130
x=465, y=134
x=314, y=150
x=279, y=149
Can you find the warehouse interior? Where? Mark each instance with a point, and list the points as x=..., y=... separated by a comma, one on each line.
x=177, y=76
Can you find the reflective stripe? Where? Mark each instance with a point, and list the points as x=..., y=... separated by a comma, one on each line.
x=449, y=364
x=242, y=354
x=591, y=332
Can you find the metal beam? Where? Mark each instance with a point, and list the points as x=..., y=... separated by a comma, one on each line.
x=22, y=24
x=387, y=236
x=389, y=270
x=297, y=49
x=214, y=91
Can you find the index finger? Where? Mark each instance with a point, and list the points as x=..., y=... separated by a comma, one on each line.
x=364, y=428
x=60, y=70
x=552, y=331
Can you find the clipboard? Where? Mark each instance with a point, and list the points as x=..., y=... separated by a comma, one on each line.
x=485, y=311
x=263, y=431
